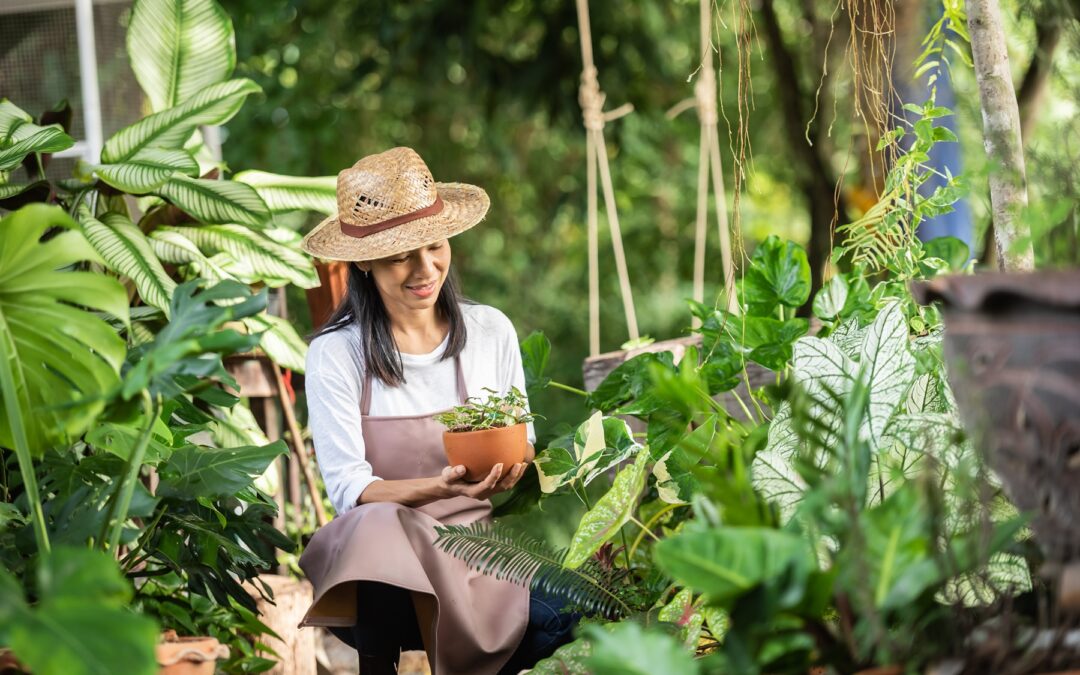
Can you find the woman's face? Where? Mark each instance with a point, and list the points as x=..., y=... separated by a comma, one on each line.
x=411, y=280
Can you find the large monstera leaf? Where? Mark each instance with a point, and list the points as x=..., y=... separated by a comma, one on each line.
x=179, y=47
x=58, y=359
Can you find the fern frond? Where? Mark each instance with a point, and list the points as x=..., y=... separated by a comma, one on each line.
x=505, y=553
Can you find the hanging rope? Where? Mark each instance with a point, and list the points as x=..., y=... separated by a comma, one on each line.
x=592, y=99
x=705, y=102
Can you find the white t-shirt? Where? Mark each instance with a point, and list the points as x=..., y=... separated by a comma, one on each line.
x=334, y=382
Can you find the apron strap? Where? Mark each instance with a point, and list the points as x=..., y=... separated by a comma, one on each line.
x=462, y=389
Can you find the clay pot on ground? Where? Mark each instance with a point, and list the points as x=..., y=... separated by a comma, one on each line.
x=323, y=300
x=1012, y=348
x=483, y=449
x=188, y=655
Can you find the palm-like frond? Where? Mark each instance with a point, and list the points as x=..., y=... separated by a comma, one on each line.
x=505, y=553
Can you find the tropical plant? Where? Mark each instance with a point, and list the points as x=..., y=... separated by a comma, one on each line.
x=132, y=464
x=496, y=411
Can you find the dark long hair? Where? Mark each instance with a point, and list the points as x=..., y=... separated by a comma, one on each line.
x=363, y=306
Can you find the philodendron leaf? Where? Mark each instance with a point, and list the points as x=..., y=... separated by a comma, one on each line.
x=293, y=193
x=216, y=201
x=193, y=472
x=779, y=275
x=171, y=128
x=611, y=512
x=596, y=446
x=628, y=649
x=726, y=562
x=179, y=47
x=81, y=624
x=147, y=170
x=126, y=251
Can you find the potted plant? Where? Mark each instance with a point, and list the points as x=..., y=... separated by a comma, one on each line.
x=482, y=433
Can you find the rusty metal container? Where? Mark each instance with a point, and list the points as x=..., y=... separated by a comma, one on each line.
x=1012, y=349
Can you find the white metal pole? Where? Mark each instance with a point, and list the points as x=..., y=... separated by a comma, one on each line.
x=88, y=75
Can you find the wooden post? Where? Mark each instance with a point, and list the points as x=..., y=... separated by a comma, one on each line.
x=296, y=649
x=300, y=449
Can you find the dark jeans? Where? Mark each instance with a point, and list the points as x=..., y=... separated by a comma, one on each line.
x=380, y=635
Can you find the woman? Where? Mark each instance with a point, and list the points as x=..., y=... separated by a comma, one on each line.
x=401, y=348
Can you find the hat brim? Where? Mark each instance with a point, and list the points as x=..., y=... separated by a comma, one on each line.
x=464, y=205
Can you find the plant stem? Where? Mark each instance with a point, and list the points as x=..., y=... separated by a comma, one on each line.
x=126, y=488
x=566, y=387
x=646, y=527
x=14, y=412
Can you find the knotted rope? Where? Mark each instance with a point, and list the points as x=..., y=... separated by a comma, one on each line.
x=592, y=101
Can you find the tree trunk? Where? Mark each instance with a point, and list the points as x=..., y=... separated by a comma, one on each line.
x=1034, y=85
x=1001, y=133
x=816, y=178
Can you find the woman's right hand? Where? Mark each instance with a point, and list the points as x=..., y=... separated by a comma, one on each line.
x=452, y=481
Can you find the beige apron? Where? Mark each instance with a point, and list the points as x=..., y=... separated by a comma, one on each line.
x=479, y=620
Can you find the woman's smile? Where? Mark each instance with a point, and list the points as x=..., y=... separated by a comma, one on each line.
x=422, y=290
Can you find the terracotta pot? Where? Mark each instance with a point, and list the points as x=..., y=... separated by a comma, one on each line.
x=323, y=300
x=188, y=655
x=1012, y=347
x=481, y=450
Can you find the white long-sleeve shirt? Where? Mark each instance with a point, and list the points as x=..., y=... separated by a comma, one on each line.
x=335, y=382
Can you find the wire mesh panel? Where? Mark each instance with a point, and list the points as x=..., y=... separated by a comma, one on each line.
x=39, y=64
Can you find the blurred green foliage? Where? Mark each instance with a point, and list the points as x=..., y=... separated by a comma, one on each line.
x=487, y=93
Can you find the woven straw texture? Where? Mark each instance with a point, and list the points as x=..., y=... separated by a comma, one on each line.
x=388, y=185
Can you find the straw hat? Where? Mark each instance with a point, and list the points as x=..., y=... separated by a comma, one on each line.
x=388, y=203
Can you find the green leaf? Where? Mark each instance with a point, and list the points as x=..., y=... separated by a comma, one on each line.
x=950, y=249
x=251, y=255
x=120, y=439
x=216, y=201
x=279, y=340
x=830, y=300
x=147, y=170
x=535, y=352
x=293, y=193
x=889, y=370
x=19, y=136
x=237, y=426
x=14, y=196
x=611, y=512
x=725, y=562
x=177, y=48
x=176, y=249
x=628, y=649
x=80, y=625
x=896, y=565
x=567, y=660
x=779, y=274
x=763, y=339
x=59, y=354
x=126, y=251
x=172, y=127
x=182, y=353
x=682, y=612
x=215, y=472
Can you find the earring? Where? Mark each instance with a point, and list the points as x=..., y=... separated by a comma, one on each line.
x=367, y=273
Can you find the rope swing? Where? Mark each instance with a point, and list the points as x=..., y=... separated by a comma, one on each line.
x=591, y=99
x=705, y=102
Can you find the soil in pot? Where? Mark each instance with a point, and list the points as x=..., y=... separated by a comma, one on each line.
x=483, y=449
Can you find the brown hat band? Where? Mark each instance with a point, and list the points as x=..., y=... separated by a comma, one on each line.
x=361, y=231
